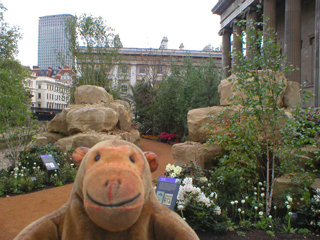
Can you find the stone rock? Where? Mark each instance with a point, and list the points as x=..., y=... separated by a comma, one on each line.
x=132, y=136
x=59, y=123
x=125, y=122
x=83, y=139
x=316, y=184
x=292, y=95
x=52, y=137
x=91, y=117
x=227, y=87
x=88, y=94
x=125, y=104
x=195, y=152
x=198, y=118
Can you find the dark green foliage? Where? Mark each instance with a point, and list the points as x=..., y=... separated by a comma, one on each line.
x=31, y=173
x=164, y=107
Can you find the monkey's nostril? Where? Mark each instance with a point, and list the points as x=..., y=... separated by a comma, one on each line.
x=107, y=183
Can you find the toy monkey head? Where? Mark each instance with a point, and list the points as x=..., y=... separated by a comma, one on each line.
x=114, y=182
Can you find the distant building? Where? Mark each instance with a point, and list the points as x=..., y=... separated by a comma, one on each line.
x=152, y=64
x=297, y=23
x=53, y=45
x=49, y=91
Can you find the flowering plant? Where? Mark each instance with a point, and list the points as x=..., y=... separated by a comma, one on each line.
x=168, y=137
x=196, y=200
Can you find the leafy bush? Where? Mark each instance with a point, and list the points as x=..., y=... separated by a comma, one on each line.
x=196, y=201
x=30, y=173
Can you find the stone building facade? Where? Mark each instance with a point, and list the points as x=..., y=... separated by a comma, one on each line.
x=152, y=64
x=297, y=24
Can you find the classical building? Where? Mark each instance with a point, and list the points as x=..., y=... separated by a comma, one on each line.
x=53, y=45
x=49, y=91
x=152, y=64
x=297, y=23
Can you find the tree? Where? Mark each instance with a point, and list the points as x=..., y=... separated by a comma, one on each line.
x=94, y=47
x=187, y=87
x=15, y=117
x=261, y=141
x=9, y=36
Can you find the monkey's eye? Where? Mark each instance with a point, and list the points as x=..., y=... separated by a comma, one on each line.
x=132, y=159
x=97, y=157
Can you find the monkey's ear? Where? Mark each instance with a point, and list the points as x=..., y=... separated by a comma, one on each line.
x=78, y=155
x=153, y=160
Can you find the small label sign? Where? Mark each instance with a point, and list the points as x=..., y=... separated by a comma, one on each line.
x=49, y=162
x=167, y=191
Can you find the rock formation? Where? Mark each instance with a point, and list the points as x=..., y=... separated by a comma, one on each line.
x=94, y=117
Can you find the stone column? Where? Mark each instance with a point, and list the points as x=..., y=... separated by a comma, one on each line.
x=226, y=51
x=237, y=45
x=269, y=15
x=251, y=30
x=292, y=37
x=317, y=55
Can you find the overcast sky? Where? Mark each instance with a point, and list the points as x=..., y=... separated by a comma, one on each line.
x=140, y=23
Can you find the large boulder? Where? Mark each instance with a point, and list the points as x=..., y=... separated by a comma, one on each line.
x=132, y=136
x=88, y=94
x=59, y=123
x=195, y=152
x=125, y=122
x=292, y=95
x=91, y=117
x=227, y=89
x=198, y=118
x=83, y=139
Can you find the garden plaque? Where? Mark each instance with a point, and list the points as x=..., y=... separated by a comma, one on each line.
x=167, y=191
x=49, y=162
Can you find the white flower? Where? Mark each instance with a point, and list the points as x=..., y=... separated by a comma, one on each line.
x=288, y=206
x=239, y=209
x=177, y=170
x=270, y=216
x=209, y=184
x=255, y=193
x=246, y=197
x=261, y=213
x=236, y=201
x=289, y=199
x=180, y=207
x=203, y=179
x=262, y=189
x=187, y=180
x=232, y=202
x=260, y=183
x=173, y=175
x=289, y=213
x=243, y=201
x=213, y=194
x=262, y=194
x=275, y=207
x=256, y=208
x=217, y=210
x=243, y=212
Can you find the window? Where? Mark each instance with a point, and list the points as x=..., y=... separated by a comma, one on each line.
x=124, y=69
x=159, y=70
x=39, y=95
x=124, y=88
x=39, y=86
x=142, y=70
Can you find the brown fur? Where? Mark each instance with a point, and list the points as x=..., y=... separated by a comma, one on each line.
x=112, y=179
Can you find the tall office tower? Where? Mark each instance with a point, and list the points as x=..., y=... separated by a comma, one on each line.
x=53, y=46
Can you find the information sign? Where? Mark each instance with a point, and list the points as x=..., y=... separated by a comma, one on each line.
x=49, y=162
x=167, y=191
